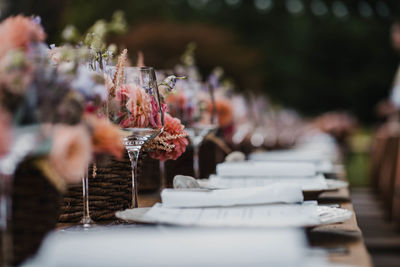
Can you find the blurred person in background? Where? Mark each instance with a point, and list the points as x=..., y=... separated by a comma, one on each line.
x=392, y=107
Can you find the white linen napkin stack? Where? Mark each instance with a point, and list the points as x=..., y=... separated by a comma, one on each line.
x=266, y=169
x=274, y=193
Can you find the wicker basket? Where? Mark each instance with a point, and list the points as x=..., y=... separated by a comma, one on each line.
x=209, y=156
x=35, y=210
x=110, y=190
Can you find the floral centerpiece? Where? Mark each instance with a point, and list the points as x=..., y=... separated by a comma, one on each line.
x=50, y=129
x=138, y=107
x=58, y=98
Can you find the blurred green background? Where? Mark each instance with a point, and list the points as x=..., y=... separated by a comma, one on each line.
x=310, y=55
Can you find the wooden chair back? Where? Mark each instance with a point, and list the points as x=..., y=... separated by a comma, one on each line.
x=388, y=171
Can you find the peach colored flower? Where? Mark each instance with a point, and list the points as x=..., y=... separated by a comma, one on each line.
x=224, y=111
x=178, y=99
x=6, y=135
x=18, y=32
x=106, y=137
x=173, y=134
x=71, y=152
x=138, y=105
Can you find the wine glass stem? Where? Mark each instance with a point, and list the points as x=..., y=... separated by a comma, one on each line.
x=162, y=175
x=134, y=157
x=196, y=165
x=85, y=189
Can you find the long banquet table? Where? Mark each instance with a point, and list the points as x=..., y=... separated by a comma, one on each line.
x=343, y=241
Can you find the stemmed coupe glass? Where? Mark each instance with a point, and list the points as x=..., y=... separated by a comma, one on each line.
x=194, y=105
x=134, y=104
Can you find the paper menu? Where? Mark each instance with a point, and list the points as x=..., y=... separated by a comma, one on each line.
x=274, y=193
x=283, y=215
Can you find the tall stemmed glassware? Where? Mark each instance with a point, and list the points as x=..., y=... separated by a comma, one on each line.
x=134, y=103
x=194, y=106
x=87, y=221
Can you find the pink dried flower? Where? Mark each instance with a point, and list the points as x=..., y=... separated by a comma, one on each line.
x=18, y=32
x=138, y=105
x=155, y=119
x=173, y=134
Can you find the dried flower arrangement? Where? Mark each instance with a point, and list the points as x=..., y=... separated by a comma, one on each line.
x=172, y=142
x=56, y=99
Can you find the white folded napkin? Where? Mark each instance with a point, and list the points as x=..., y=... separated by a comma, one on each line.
x=263, y=169
x=288, y=155
x=315, y=183
x=275, y=193
x=269, y=215
x=322, y=163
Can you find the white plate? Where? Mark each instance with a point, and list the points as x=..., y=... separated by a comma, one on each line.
x=262, y=216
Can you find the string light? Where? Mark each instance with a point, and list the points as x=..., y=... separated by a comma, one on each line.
x=365, y=9
x=263, y=5
x=294, y=6
x=318, y=8
x=233, y=2
x=382, y=9
x=339, y=9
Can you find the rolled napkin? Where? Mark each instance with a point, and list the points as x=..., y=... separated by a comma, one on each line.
x=235, y=156
x=185, y=182
x=265, y=169
x=275, y=193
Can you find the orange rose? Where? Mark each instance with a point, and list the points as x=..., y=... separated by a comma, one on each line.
x=71, y=152
x=106, y=137
x=224, y=111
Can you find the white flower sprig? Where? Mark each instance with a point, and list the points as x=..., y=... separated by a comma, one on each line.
x=169, y=83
